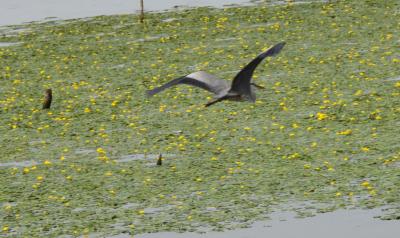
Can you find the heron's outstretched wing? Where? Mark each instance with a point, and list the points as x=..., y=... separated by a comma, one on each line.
x=241, y=82
x=199, y=79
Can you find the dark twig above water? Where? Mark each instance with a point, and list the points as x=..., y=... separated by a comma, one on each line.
x=159, y=160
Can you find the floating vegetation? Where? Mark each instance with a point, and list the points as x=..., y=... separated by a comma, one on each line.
x=325, y=130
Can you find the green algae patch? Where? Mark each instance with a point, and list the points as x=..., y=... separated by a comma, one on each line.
x=325, y=130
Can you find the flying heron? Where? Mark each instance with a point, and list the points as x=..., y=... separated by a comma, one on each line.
x=240, y=89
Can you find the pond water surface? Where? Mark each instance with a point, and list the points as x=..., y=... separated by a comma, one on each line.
x=20, y=11
x=341, y=223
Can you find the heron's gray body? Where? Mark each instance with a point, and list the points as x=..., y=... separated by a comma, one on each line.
x=217, y=86
x=240, y=89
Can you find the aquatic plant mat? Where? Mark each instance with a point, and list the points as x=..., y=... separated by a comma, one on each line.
x=324, y=132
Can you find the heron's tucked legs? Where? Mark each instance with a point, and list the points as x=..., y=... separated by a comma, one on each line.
x=215, y=101
x=257, y=86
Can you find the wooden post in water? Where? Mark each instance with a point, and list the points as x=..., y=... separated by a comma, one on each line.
x=48, y=96
x=141, y=17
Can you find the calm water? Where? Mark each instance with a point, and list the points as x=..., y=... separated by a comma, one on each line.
x=20, y=11
x=341, y=223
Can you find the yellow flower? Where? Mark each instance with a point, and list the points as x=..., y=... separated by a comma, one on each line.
x=365, y=149
x=346, y=132
x=114, y=103
x=108, y=173
x=365, y=184
x=314, y=144
x=358, y=93
x=100, y=151
x=239, y=163
x=162, y=108
x=294, y=156
x=46, y=162
x=321, y=116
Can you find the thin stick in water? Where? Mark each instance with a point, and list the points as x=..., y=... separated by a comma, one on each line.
x=141, y=17
x=159, y=160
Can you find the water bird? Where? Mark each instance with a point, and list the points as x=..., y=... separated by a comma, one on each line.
x=48, y=96
x=240, y=89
